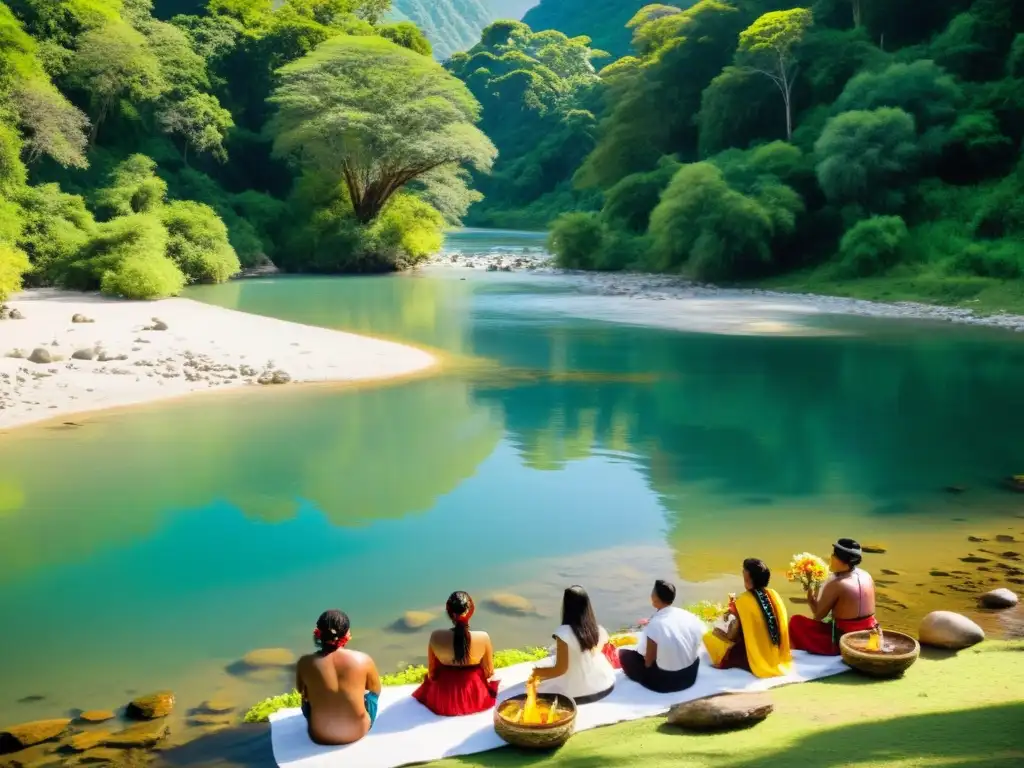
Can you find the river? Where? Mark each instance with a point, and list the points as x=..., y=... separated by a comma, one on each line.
x=563, y=441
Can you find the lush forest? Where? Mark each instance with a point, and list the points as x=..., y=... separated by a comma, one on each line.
x=603, y=21
x=143, y=148
x=852, y=140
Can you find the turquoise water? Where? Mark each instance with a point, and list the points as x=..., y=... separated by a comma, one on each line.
x=153, y=547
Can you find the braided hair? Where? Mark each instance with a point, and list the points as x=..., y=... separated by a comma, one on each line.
x=760, y=575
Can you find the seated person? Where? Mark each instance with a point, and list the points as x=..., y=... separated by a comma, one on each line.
x=757, y=638
x=460, y=663
x=339, y=688
x=581, y=669
x=849, y=596
x=665, y=659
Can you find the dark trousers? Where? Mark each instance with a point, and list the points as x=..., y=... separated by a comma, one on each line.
x=654, y=679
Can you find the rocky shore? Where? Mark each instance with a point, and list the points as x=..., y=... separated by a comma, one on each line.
x=63, y=353
x=669, y=288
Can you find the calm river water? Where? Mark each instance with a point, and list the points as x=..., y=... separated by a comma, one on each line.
x=155, y=546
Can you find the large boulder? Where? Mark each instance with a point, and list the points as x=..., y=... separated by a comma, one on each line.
x=151, y=706
x=19, y=737
x=510, y=604
x=946, y=629
x=264, y=658
x=999, y=598
x=412, y=621
x=729, y=710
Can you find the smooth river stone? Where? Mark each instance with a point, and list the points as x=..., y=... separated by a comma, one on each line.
x=217, y=706
x=151, y=706
x=999, y=598
x=511, y=605
x=730, y=710
x=267, y=658
x=96, y=716
x=413, y=620
x=141, y=736
x=19, y=737
x=946, y=629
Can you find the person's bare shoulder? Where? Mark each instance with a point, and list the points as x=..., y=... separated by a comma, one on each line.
x=355, y=660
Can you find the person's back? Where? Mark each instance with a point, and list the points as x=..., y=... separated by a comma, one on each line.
x=678, y=634
x=855, y=595
x=460, y=663
x=339, y=687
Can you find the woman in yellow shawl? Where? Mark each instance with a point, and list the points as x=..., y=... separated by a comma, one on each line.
x=757, y=638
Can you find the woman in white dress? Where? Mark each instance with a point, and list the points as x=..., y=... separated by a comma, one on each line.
x=581, y=669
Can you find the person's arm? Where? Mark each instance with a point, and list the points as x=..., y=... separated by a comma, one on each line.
x=561, y=662
x=731, y=635
x=487, y=661
x=431, y=661
x=651, y=657
x=823, y=605
x=372, y=677
x=298, y=681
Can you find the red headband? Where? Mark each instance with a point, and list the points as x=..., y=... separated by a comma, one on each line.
x=340, y=642
x=465, y=617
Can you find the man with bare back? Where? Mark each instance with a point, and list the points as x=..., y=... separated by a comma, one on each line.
x=339, y=688
x=849, y=596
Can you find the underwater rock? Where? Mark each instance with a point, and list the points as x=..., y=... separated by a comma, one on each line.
x=412, y=621
x=141, y=736
x=873, y=549
x=510, y=604
x=19, y=737
x=96, y=716
x=151, y=706
x=730, y=710
x=946, y=629
x=217, y=706
x=264, y=658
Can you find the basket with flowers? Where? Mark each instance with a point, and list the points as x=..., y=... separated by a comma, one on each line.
x=809, y=570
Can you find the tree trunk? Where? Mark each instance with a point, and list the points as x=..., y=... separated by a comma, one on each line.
x=787, y=98
x=858, y=16
x=95, y=130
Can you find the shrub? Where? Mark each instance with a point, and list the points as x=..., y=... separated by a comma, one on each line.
x=197, y=241
x=408, y=231
x=13, y=264
x=872, y=246
x=629, y=202
x=133, y=187
x=1001, y=260
x=575, y=238
x=57, y=228
x=143, y=277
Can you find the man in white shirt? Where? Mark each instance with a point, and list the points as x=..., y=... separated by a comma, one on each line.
x=665, y=659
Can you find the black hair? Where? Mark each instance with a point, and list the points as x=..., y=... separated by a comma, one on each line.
x=458, y=605
x=333, y=626
x=578, y=613
x=760, y=575
x=848, y=551
x=665, y=591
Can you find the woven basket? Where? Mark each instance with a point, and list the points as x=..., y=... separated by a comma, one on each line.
x=892, y=663
x=536, y=736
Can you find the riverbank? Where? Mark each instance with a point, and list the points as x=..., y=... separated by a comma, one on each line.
x=994, y=306
x=67, y=353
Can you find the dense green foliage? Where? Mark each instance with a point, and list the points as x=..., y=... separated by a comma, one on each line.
x=536, y=90
x=742, y=139
x=143, y=148
x=604, y=21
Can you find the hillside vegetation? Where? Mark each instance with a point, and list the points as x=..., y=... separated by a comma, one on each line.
x=740, y=140
x=145, y=148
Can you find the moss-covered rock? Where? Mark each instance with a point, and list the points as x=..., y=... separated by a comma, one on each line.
x=151, y=706
x=19, y=737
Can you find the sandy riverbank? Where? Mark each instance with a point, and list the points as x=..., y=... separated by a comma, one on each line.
x=662, y=296
x=139, y=352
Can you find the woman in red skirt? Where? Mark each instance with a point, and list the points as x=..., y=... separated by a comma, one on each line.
x=460, y=663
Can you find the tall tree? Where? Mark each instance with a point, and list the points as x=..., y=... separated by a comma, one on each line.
x=201, y=122
x=375, y=116
x=113, y=62
x=768, y=46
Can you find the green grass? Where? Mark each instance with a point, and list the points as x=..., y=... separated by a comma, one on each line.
x=262, y=710
x=957, y=711
x=983, y=295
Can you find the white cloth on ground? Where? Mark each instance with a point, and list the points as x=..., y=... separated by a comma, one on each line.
x=679, y=636
x=589, y=671
x=406, y=732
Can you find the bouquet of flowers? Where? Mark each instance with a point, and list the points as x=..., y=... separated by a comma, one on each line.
x=810, y=570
